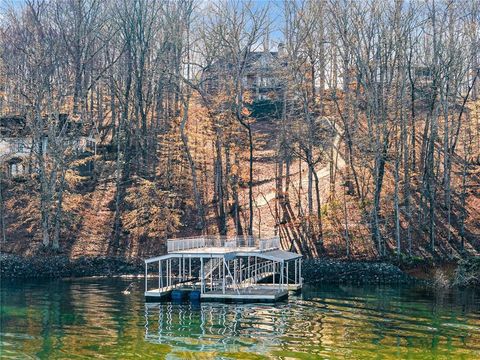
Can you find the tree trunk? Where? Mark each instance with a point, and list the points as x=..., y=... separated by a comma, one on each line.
x=59, y=212
x=121, y=161
x=220, y=198
x=2, y=208
x=193, y=170
x=319, y=210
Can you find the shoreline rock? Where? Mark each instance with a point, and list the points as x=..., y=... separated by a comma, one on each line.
x=467, y=273
x=58, y=266
x=317, y=271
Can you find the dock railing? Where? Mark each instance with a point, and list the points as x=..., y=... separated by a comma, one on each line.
x=207, y=241
x=269, y=244
x=186, y=244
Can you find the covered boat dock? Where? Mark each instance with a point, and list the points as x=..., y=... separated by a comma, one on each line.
x=214, y=268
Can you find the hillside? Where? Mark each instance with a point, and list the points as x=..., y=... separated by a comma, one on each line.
x=355, y=133
x=90, y=220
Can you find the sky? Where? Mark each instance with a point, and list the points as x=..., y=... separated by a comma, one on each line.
x=275, y=13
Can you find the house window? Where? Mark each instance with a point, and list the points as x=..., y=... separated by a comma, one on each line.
x=266, y=81
x=17, y=169
x=21, y=148
x=42, y=146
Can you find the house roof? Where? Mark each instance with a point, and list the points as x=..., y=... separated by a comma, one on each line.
x=251, y=60
x=255, y=55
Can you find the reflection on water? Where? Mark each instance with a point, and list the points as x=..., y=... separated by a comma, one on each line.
x=87, y=318
x=215, y=326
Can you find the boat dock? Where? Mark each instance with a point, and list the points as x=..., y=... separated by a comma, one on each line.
x=219, y=268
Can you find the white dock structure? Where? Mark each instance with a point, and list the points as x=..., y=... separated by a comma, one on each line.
x=219, y=268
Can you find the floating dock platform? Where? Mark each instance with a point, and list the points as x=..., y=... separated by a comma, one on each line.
x=228, y=269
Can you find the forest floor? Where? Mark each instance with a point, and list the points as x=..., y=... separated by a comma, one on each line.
x=266, y=204
x=265, y=192
x=343, y=210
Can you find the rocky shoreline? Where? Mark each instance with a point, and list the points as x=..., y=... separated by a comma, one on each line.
x=318, y=271
x=58, y=266
x=315, y=271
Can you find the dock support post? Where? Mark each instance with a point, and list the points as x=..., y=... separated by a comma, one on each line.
x=211, y=273
x=287, y=274
x=223, y=275
x=146, y=283
x=159, y=275
x=296, y=272
x=202, y=275
x=240, y=266
x=281, y=275
x=169, y=272
x=183, y=268
x=160, y=270
x=180, y=268
x=274, y=270
x=235, y=270
x=300, y=271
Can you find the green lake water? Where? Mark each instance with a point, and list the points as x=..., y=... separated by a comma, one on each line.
x=91, y=318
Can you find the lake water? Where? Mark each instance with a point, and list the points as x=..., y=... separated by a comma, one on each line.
x=85, y=318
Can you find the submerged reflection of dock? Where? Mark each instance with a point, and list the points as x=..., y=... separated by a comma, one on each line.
x=215, y=326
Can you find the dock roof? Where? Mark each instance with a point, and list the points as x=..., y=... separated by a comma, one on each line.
x=274, y=255
x=279, y=255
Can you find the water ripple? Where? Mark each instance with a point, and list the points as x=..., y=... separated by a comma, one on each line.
x=88, y=318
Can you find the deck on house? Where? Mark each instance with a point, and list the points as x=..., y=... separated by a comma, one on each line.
x=225, y=269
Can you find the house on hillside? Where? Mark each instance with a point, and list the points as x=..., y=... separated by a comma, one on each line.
x=263, y=74
x=15, y=145
x=423, y=75
x=18, y=148
x=262, y=77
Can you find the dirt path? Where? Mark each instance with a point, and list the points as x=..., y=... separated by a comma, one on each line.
x=323, y=173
